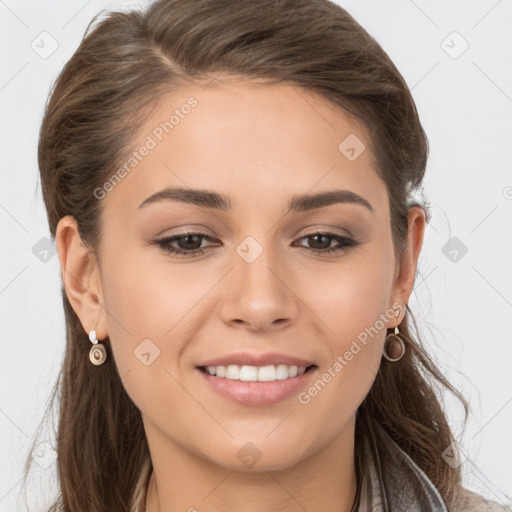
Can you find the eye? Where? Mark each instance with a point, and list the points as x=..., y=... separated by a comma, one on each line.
x=323, y=241
x=190, y=243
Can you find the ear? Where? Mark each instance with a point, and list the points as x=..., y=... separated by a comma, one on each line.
x=81, y=277
x=404, y=282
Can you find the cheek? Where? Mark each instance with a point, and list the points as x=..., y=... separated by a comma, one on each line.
x=145, y=296
x=356, y=315
x=152, y=307
x=353, y=311
x=352, y=298
x=140, y=308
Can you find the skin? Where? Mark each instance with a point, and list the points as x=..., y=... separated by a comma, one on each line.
x=259, y=145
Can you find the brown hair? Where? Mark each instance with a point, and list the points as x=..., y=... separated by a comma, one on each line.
x=100, y=100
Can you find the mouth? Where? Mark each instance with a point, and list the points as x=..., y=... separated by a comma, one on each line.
x=248, y=373
x=256, y=385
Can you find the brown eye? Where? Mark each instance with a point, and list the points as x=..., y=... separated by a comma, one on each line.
x=190, y=244
x=187, y=243
x=321, y=242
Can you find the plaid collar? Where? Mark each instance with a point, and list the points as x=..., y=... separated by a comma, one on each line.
x=400, y=486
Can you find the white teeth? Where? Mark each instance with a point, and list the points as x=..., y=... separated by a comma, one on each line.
x=256, y=373
x=267, y=373
x=282, y=372
x=248, y=373
x=293, y=371
x=233, y=372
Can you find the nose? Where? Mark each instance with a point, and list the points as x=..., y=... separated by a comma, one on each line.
x=259, y=294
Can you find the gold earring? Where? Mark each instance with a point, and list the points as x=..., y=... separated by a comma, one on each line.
x=97, y=354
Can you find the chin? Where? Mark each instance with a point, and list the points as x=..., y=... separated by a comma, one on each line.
x=259, y=454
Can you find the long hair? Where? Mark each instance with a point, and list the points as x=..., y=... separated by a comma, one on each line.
x=103, y=95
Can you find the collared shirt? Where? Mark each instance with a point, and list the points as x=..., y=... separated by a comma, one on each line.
x=404, y=488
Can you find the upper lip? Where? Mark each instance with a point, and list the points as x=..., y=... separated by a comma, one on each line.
x=254, y=359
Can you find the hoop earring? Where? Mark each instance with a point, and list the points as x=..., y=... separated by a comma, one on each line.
x=97, y=354
x=393, y=338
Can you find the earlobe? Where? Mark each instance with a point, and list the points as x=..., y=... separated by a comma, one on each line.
x=80, y=277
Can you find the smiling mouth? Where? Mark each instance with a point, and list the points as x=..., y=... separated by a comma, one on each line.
x=248, y=373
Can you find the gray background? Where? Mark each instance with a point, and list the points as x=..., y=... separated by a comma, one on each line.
x=463, y=300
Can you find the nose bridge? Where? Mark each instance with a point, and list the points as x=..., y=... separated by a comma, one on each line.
x=258, y=294
x=257, y=265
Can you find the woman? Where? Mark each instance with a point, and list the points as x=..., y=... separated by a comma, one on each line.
x=231, y=189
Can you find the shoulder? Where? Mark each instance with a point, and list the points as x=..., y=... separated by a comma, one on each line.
x=469, y=501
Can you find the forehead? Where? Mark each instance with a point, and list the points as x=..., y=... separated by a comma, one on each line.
x=250, y=141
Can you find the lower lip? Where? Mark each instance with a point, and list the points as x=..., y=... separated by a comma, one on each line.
x=258, y=393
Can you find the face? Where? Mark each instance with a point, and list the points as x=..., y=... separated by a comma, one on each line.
x=267, y=273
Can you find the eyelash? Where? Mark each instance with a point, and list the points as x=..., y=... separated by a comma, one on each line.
x=165, y=243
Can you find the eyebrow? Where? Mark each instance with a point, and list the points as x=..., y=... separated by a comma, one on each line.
x=298, y=203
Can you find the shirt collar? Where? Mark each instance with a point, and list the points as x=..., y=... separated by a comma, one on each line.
x=401, y=485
